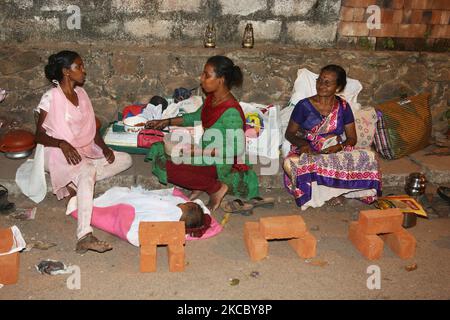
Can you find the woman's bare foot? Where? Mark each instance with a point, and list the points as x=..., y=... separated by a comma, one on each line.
x=195, y=194
x=216, y=198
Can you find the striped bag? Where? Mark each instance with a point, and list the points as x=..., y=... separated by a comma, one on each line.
x=403, y=127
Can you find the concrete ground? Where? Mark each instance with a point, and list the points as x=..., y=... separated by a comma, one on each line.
x=338, y=271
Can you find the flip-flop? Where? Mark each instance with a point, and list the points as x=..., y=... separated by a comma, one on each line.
x=444, y=193
x=237, y=206
x=262, y=202
x=6, y=207
x=89, y=242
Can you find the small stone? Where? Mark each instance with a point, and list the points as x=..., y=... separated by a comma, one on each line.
x=254, y=274
x=315, y=228
x=234, y=282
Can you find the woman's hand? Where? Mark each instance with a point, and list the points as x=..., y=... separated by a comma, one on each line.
x=71, y=154
x=109, y=155
x=157, y=124
x=306, y=149
x=333, y=149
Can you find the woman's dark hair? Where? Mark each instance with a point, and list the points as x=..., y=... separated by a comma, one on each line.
x=225, y=67
x=341, y=75
x=56, y=62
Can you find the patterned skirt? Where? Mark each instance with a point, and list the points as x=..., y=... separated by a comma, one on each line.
x=314, y=179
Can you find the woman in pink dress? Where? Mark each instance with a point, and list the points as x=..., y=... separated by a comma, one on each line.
x=75, y=154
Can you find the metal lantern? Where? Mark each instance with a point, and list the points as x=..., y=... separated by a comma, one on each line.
x=210, y=37
x=248, y=40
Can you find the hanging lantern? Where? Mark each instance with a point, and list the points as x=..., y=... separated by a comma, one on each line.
x=248, y=40
x=210, y=36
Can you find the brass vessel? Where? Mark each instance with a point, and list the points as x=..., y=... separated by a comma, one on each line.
x=210, y=37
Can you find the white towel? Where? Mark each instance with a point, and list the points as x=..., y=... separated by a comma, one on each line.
x=30, y=176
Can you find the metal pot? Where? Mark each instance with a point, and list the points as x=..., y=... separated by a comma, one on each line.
x=415, y=184
x=17, y=144
x=18, y=154
x=409, y=220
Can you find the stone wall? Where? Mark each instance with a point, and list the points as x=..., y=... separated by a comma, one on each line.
x=304, y=22
x=117, y=76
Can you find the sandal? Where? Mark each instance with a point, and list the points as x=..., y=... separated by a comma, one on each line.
x=262, y=202
x=237, y=206
x=6, y=207
x=89, y=242
x=336, y=202
x=444, y=193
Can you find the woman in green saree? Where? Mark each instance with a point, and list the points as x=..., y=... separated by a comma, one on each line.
x=213, y=167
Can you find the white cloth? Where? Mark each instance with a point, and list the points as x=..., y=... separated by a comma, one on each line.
x=18, y=241
x=320, y=194
x=30, y=176
x=304, y=87
x=184, y=106
x=152, y=112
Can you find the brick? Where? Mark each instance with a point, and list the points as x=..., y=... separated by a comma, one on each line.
x=441, y=4
x=373, y=222
x=9, y=264
x=9, y=268
x=370, y=246
x=162, y=233
x=358, y=3
x=416, y=16
x=387, y=16
x=426, y=16
x=359, y=14
x=407, y=16
x=179, y=5
x=445, y=17
x=287, y=8
x=402, y=243
x=257, y=246
x=242, y=8
x=440, y=31
x=262, y=30
x=391, y=16
x=386, y=30
x=176, y=256
x=353, y=29
x=305, y=246
x=346, y=14
x=282, y=227
x=412, y=30
x=436, y=16
x=418, y=4
x=396, y=4
x=398, y=16
x=148, y=258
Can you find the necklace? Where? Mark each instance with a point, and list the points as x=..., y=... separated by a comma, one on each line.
x=329, y=108
x=217, y=101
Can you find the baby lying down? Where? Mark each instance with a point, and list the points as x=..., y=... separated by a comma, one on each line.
x=120, y=210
